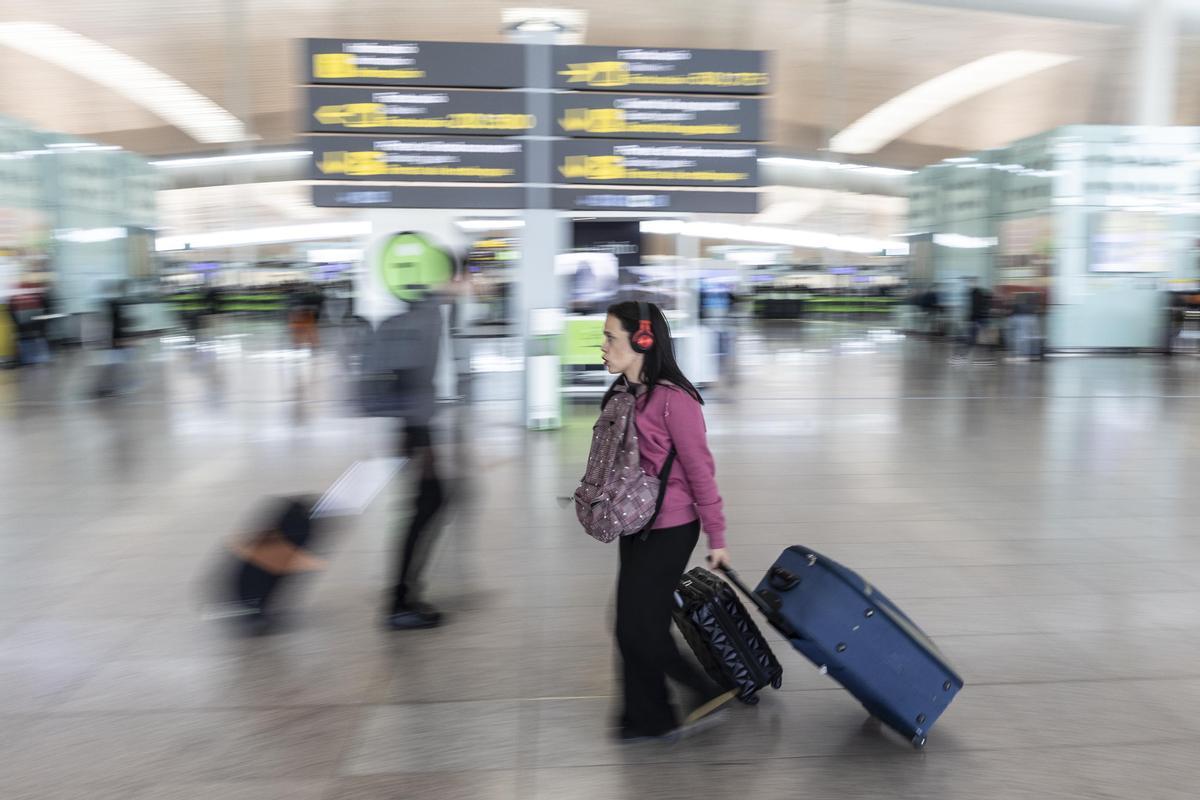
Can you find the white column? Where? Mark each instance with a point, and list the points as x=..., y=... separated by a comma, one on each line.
x=1156, y=57
x=546, y=233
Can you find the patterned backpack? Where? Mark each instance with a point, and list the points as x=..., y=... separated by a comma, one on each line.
x=616, y=498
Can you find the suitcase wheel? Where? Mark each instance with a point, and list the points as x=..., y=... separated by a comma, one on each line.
x=918, y=742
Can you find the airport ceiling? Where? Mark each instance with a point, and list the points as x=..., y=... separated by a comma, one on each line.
x=890, y=48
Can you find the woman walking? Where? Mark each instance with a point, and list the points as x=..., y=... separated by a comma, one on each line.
x=637, y=346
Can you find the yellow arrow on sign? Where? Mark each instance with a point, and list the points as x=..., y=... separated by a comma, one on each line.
x=576, y=72
x=352, y=115
x=332, y=162
x=574, y=119
x=330, y=115
x=598, y=73
x=574, y=167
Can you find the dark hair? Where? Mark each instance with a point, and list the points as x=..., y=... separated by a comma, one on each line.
x=658, y=364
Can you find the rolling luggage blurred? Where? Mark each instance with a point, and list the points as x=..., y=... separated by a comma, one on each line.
x=280, y=546
x=853, y=632
x=724, y=636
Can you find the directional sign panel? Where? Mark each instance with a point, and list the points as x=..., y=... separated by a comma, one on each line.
x=417, y=158
x=601, y=161
x=389, y=63
x=678, y=124
x=335, y=109
x=364, y=196
x=634, y=200
x=640, y=116
x=660, y=70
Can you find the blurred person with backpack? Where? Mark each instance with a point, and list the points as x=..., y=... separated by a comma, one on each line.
x=661, y=527
x=398, y=367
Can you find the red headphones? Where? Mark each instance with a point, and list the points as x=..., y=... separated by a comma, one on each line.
x=643, y=339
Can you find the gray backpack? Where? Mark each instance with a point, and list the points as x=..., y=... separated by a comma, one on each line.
x=398, y=362
x=616, y=498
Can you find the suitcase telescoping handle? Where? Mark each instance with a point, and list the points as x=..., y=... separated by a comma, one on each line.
x=771, y=612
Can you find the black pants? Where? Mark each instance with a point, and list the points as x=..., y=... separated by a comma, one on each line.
x=650, y=571
x=429, y=498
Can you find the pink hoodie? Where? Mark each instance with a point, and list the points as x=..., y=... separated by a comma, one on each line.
x=669, y=415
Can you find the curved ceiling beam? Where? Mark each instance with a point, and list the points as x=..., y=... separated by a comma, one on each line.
x=909, y=109
x=159, y=93
x=1105, y=12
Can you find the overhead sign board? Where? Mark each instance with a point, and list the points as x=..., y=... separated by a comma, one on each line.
x=417, y=158
x=336, y=109
x=679, y=124
x=635, y=200
x=374, y=62
x=606, y=161
x=660, y=70
x=365, y=196
x=639, y=116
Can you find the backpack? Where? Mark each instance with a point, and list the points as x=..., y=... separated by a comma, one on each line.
x=615, y=497
x=398, y=360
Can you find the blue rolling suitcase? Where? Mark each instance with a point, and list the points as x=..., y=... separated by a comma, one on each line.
x=859, y=637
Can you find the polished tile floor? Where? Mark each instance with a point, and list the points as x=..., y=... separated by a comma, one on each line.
x=1039, y=520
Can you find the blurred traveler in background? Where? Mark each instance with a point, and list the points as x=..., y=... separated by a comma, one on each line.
x=978, y=314
x=304, y=316
x=29, y=314
x=211, y=309
x=398, y=369
x=716, y=314
x=115, y=370
x=669, y=418
x=930, y=302
x=202, y=319
x=1024, y=337
x=52, y=318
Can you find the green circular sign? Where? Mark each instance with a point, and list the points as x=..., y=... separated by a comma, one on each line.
x=410, y=265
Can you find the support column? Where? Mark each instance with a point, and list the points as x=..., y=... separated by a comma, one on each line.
x=1156, y=57
x=239, y=100
x=837, y=58
x=546, y=233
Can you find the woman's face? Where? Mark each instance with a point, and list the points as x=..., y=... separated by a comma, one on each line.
x=619, y=355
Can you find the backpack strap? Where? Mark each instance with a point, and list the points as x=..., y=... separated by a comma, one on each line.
x=664, y=475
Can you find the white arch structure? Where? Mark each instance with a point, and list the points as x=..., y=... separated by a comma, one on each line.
x=165, y=97
x=909, y=109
